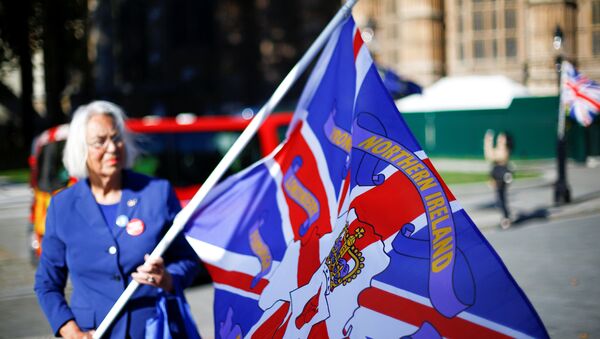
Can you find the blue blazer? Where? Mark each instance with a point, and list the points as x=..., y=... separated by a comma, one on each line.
x=100, y=260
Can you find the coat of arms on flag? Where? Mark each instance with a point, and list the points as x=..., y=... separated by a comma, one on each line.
x=347, y=229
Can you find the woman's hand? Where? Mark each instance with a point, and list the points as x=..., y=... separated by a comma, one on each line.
x=153, y=273
x=70, y=330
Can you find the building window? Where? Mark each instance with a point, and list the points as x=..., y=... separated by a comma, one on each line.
x=596, y=27
x=479, y=49
x=596, y=12
x=493, y=29
x=511, y=47
x=477, y=21
x=596, y=43
x=510, y=18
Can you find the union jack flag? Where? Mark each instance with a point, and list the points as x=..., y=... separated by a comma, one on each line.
x=347, y=230
x=579, y=94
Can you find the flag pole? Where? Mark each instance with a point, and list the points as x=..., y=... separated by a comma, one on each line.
x=562, y=193
x=561, y=105
x=184, y=215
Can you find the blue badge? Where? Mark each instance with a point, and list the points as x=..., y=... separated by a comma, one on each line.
x=122, y=220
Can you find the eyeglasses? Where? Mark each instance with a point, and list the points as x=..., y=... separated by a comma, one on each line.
x=102, y=143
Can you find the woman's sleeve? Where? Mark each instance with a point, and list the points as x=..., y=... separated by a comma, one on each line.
x=182, y=262
x=51, y=276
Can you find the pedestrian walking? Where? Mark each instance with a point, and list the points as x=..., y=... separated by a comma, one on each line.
x=501, y=173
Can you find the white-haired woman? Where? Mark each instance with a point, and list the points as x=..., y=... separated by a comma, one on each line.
x=99, y=230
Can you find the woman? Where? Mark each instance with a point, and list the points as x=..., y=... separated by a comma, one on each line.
x=501, y=174
x=99, y=230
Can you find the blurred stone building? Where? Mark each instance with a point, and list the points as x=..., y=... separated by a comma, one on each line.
x=428, y=40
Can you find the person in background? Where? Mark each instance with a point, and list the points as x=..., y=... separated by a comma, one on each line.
x=501, y=174
x=99, y=231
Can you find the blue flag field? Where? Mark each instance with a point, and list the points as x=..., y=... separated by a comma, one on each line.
x=347, y=230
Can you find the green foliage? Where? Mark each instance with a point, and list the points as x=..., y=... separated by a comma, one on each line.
x=453, y=178
x=15, y=176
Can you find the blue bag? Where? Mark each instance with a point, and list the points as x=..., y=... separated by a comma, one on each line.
x=173, y=318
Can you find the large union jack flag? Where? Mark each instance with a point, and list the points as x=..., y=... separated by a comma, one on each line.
x=347, y=230
x=579, y=94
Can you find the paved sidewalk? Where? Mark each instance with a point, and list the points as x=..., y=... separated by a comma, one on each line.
x=529, y=199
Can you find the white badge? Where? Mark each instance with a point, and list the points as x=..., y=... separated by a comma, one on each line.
x=122, y=220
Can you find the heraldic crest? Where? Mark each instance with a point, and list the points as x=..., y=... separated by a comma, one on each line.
x=345, y=261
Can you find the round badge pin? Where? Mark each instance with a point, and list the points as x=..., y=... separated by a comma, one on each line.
x=135, y=227
x=122, y=220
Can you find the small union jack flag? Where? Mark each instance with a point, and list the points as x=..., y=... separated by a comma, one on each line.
x=580, y=95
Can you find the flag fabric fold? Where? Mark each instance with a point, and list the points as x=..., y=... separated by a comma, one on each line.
x=347, y=229
x=579, y=95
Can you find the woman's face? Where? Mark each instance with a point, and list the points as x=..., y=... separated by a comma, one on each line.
x=106, y=149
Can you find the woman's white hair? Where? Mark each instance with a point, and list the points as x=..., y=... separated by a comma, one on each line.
x=76, y=150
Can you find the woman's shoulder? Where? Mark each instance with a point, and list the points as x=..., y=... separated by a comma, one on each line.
x=67, y=197
x=71, y=191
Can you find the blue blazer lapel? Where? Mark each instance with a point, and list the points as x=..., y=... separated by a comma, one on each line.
x=130, y=200
x=88, y=208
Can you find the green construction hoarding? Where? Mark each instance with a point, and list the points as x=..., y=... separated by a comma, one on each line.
x=531, y=121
